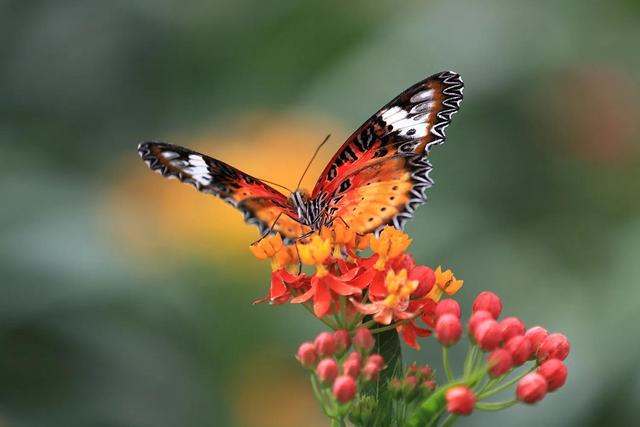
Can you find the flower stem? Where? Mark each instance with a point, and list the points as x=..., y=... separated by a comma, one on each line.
x=504, y=386
x=495, y=406
x=470, y=359
x=449, y=420
x=391, y=326
x=445, y=363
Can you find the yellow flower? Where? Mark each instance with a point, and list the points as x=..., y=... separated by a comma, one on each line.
x=390, y=244
x=398, y=287
x=272, y=247
x=445, y=282
x=315, y=253
x=267, y=247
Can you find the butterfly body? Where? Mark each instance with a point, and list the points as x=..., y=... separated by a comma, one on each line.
x=378, y=177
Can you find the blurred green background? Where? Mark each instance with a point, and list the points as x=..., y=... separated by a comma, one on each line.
x=126, y=299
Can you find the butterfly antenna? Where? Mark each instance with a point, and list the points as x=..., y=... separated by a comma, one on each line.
x=311, y=161
x=276, y=184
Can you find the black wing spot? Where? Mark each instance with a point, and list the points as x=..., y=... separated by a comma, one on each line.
x=383, y=209
x=394, y=188
x=411, y=132
x=371, y=219
x=392, y=198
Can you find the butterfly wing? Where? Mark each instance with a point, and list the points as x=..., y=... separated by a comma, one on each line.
x=259, y=203
x=380, y=174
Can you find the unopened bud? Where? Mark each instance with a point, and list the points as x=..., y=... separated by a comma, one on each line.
x=460, y=400
x=488, y=335
x=307, y=355
x=477, y=318
x=499, y=362
x=351, y=367
x=363, y=340
x=327, y=370
x=448, y=306
x=555, y=346
x=371, y=371
x=343, y=341
x=555, y=372
x=325, y=344
x=344, y=388
x=448, y=329
x=511, y=327
x=520, y=349
x=536, y=335
x=377, y=359
x=488, y=301
x=531, y=388
x=426, y=279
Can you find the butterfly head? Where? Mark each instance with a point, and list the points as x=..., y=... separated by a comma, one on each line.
x=308, y=211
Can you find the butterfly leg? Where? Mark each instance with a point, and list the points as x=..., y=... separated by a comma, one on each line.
x=269, y=231
x=295, y=243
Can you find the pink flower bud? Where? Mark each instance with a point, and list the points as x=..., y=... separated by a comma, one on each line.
x=355, y=355
x=377, y=359
x=477, y=318
x=555, y=346
x=429, y=385
x=370, y=371
x=426, y=372
x=448, y=306
x=343, y=341
x=460, y=400
x=500, y=362
x=488, y=335
x=307, y=355
x=344, y=388
x=511, y=327
x=325, y=344
x=448, y=329
x=555, y=372
x=488, y=301
x=395, y=387
x=531, y=388
x=351, y=367
x=327, y=370
x=409, y=386
x=412, y=369
x=425, y=277
x=536, y=335
x=363, y=340
x=520, y=349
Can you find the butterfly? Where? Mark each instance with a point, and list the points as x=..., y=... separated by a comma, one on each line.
x=378, y=177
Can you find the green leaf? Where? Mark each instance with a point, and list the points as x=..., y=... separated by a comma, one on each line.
x=387, y=345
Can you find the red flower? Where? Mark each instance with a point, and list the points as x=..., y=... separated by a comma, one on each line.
x=323, y=283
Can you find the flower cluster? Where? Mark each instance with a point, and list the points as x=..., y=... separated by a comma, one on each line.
x=336, y=373
x=508, y=345
x=344, y=288
x=368, y=289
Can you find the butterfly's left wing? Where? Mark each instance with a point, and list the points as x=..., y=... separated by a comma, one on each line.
x=380, y=174
x=260, y=204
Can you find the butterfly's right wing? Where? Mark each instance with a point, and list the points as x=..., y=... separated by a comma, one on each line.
x=260, y=204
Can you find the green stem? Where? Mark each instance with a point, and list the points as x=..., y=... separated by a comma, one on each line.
x=505, y=385
x=445, y=363
x=326, y=321
x=449, y=420
x=392, y=326
x=495, y=406
x=318, y=394
x=469, y=359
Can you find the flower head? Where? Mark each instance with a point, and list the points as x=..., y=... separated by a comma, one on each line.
x=316, y=253
x=390, y=244
x=394, y=305
x=445, y=282
x=460, y=400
